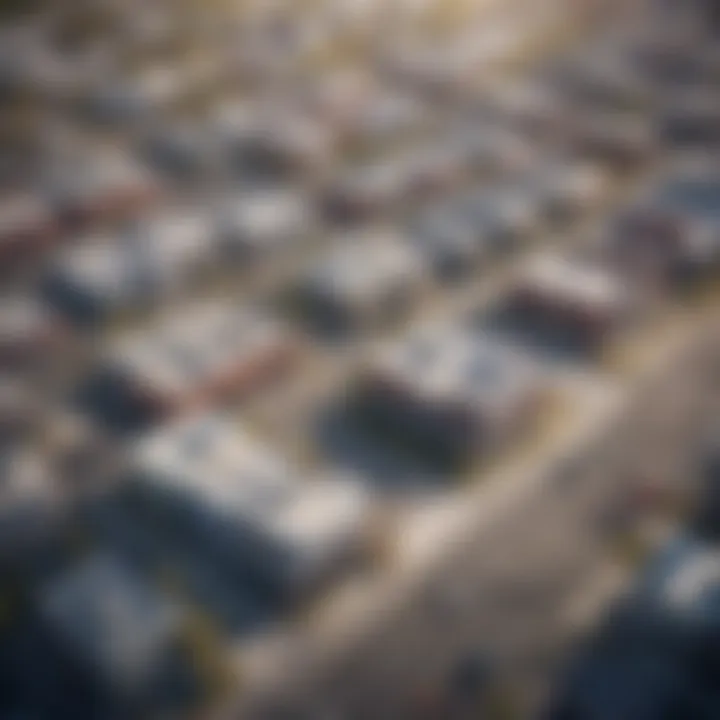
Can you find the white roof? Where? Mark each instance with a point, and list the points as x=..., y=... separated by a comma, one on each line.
x=100, y=268
x=211, y=462
x=323, y=515
x=367, y=265
x=191, y=346
x=158, y=253
x=579, y=283
x=233, y=480
x=454, y=364
x=267, y=218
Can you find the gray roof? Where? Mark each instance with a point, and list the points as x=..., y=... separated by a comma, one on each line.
x=111, y=619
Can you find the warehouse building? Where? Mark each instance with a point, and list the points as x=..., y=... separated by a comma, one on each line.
x=447, y=241
x=104, y=187
x=246, y=508
x=673, y=236
x=657, y=656
x=623, y=142
x=504, y=217
x=454, y=394
x=371, y=278
x=142, y=97
x=566, y=188
x=255, y=228
x=114, y=627
x=366, y=191
x=29, y=332
x=560, y=297
x=692, y=121
x=27, y=227
x=153, y=261
x=184, y=150
x=206, y=353
x=32, y=508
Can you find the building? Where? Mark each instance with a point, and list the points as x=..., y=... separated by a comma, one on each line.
x=370, y=278
x=189, y=359
x=113, y=626
x=97, y=188
x=673, y=235
x=585, y=303
x=27, y=227
x=454, y=394
x=257, y=227
x=606, y=79
x=622, y=141
x=29, y=333
x=32, y=508
x=657, y=655
x=491, y=150
x=20, y=412
x=447, y=241
x=387, y=118
x=283, y=142
x=152, y=261
x=692, y=120
x=567, y=188
x=504, y=217
x=246, y=508
x=132, y=99
x=367, y=191
x=183, y=150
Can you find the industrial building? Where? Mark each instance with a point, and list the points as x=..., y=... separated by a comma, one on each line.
x=113, y=626
x=447, y=241
x=27, y=227
x=372, y=277
x=505, y=217
x=567, y=188
x=246, y=507
x=453, y=393
x=673, y=235
x=366, y=191
x=206, y=354
x=657, y=655
x=106, y=186
x=258, y=226
x=29, y=332
x=622, y=141
x=583, y=302
x=134, y=269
